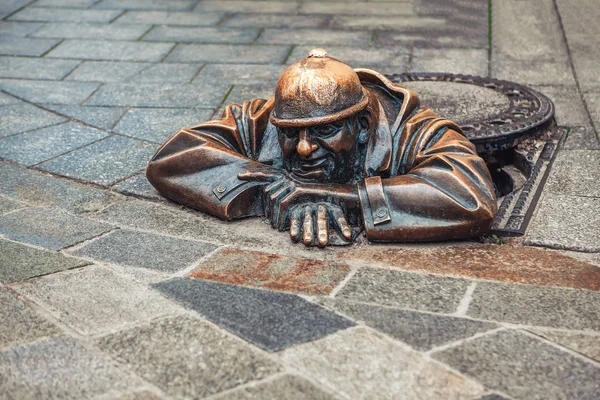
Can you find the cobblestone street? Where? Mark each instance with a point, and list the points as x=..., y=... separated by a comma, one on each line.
x=109, y=291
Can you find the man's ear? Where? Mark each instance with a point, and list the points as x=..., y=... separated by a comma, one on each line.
x=362, y=123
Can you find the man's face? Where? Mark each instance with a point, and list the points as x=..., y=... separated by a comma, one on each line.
x=322, y=153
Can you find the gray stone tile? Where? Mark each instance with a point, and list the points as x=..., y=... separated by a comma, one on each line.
x=91, y=31
x=60, y=368
x=586, y=344
x=64, y=3
x=111, y=50
x=15, y=46
x=44, y=190
x=357, y=8
x=19, y=262
x=20, y=324
x=7, y=100
x=566, y=222
x=65, y=14
x=145, y=250
x=533, y=72
x=164, y=73
x=206, y=95
x=7, y=205
x=49, y=228
x=35, y=68
x=270, y=320
x=158, y=124
x=231, y=54
x=54, y=92
x=104, y=162
x=187, y=357
x=569, y=108
x=580, y=138
x=100, y=117
x=524, y=367
x=241, y=93
x=534, y=305
x=576, y=172
x=275, y=21
x=34, y=147
x=21, y=117
x=8, y=7
x=405, y=290
x=247, y=6
x=111, y=302
x=527, y=31
x=147, y=5
x=361, y=363
x=107, y=71
x=436, y=34
x=184, y=34
x=360, y=57
x=396, y=23
x=289, y=387
x=315, y=37
x=19, y=29
x=170, y=18
x=492, y=397
x=241, y=74
x=138, y=185
x=592, y=100
x=456, y=61
x=419, y=330
x=143, y=395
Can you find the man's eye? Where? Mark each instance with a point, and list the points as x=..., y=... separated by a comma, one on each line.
x=290, y=133
x=326, y=130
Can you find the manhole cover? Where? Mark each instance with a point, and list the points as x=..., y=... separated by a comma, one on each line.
x=493, y=113
x=510, y=124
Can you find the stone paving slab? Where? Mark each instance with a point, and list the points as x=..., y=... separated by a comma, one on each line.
x=315, y=38
x=186, y=357
x=113, y=50
x=65, y=14
x=524, y=367
x=288, y=387
x=405, y=290
x=506, y=263
x=271, y=271
x=145, y=250
x=576, y=228
x=139, y=186
x=246, y=6
x=64, y=3
x=421, y=331
x=49, y=228
x=271, y=320
x=240, y=74
x=100, y=117
x=37, y=146
x=91, y=31
x=11, y=46
x=159, y=95
x=110, y=303
x=457, y=61
x=275, y=21
x=223, y=53
x=104, y=162
x=7, y=205
x=53, y=92
x=570, y=110
x=164, y=73
x=581, y=138
x=361, y=57
x=18, y=29
x=158, y=124
x=534, y=72
x=532, y=305
x=170, y=18
x=583, y=343
x=203, y=35
x=145, y=5
x=43, y=190
x=360, y=363
x=77, y=372
x=19, y=262
x=35, y=68
x=20, y=324
x=576, y=172
x=107, y=71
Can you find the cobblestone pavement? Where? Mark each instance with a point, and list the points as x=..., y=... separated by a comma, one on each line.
x=108, y=291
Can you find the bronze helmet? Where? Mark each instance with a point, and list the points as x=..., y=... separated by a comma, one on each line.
x=317, y=90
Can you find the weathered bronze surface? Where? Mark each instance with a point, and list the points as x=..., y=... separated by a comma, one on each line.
x=335, y=151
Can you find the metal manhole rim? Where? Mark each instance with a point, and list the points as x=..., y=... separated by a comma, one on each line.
x=537, y=108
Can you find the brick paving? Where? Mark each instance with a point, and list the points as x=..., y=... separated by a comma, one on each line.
x=110, y=292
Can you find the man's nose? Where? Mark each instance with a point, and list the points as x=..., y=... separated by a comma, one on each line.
x=305, y=147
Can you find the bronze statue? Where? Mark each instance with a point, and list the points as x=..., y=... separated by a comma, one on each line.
x=334, y=151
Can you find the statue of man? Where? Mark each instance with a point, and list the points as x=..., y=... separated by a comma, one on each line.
x=335, y=151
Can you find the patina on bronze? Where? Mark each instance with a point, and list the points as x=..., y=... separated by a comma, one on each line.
x=335, y=151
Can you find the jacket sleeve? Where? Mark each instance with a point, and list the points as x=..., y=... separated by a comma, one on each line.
x=444, y=190
x=198, y=166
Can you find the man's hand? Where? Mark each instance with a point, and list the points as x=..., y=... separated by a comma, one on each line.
x=310, y=223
